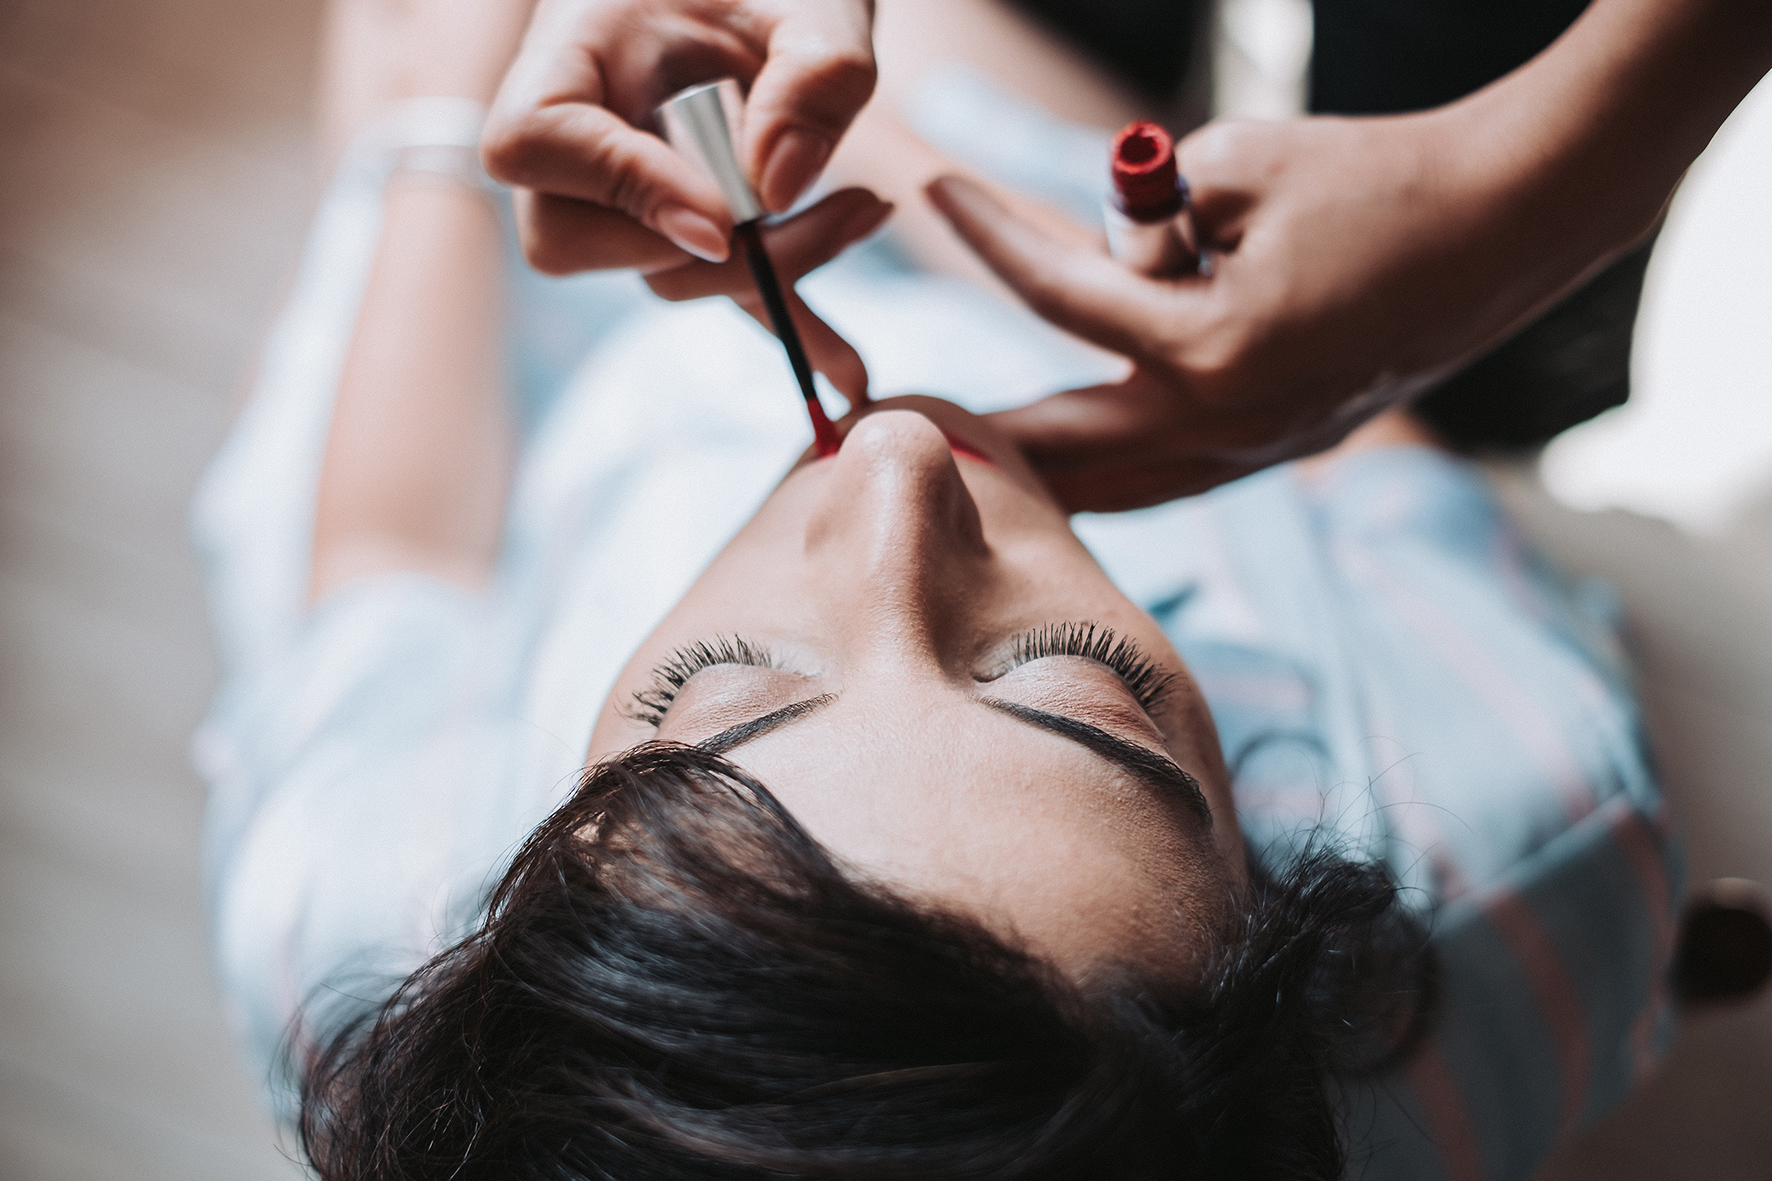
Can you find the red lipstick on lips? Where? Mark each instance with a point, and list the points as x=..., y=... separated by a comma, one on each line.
x=960, y=446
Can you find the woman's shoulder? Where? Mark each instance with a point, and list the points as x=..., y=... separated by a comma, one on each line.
x=365, y=789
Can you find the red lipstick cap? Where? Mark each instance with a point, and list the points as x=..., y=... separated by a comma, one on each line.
x=1145, y=180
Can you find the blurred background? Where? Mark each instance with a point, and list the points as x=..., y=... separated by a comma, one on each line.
x=154, y=180
x=155, y=175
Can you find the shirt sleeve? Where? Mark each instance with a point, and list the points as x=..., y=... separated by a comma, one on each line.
x=1395, y=673
x=1505, y=749
x=360, y=808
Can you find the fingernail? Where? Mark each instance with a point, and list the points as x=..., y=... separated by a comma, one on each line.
x=690, y=230
x=942, y=184
x=798, y=156
x=865, y=221
x=947, y=189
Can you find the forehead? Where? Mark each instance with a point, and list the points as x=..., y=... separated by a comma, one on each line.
x=951, y=803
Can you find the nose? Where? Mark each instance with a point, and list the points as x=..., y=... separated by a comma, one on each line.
x=895, y=539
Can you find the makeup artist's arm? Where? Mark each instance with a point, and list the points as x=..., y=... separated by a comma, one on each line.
x=418, y=462
x=1364, y=258
x=601, y=191
x=419, y=456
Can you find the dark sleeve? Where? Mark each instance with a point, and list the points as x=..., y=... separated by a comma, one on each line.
x=1372, y=57
x=1148, y=44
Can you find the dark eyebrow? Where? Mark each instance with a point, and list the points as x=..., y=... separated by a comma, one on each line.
x=1146, y=765
x=732, y=736
x=1155, y=770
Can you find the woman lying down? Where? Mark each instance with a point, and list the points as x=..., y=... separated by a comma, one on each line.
x=593, y=800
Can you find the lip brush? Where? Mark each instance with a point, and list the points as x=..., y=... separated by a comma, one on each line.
x=698, y=123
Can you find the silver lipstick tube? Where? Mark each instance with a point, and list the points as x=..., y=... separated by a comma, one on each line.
x=701, y=123
x=1156, y=248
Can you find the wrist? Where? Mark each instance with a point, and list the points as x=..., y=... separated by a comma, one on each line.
x=446, y=165
x=1578, y=151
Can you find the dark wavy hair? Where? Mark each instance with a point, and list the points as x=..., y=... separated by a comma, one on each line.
x=674, y=980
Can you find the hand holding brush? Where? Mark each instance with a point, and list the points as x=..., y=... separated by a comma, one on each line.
x=701, y=124
x=798, y=245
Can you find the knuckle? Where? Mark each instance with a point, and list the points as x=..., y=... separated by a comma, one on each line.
x=546, y=255
x=837, y=82
x=514, y=153
x=622, y=176
x=848, y=76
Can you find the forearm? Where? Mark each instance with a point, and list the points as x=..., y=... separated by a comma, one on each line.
x=1589, y=139
x=418, y=461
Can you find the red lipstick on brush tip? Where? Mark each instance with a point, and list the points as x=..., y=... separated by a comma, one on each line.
x=1146, y=183
x=750, y=241
x=701, y=123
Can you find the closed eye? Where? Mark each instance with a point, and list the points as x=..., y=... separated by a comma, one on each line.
x=1142, y=676
x=652, y=703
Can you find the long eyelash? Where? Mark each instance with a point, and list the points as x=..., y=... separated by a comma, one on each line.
x=1148, y=683
x=652, y=703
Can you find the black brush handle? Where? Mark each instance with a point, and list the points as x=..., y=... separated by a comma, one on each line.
x=750, y=239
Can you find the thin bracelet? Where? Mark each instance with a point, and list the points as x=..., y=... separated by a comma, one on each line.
x=447, y=164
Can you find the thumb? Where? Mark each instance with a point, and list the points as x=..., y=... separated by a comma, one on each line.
x=1074, y=286
x=818, y=73
x=1122, y=421
x=1115, y=447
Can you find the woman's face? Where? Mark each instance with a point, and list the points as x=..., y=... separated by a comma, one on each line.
x=913, y=651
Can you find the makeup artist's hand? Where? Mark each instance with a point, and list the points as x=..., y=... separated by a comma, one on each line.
x=1358, y=261
x=1348, y=272
x=800, y=244
x=598, y=190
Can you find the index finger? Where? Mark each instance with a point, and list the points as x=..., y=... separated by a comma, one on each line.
x=550, y=130
x=1077, y=288
x=803, y=243
x=1117, y=423
x=1116, y=447
x=590, y=153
